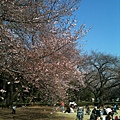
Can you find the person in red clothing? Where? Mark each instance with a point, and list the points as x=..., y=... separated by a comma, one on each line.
x=62, y=105
x=116, y=117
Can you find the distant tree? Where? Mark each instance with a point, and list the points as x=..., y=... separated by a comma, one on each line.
x=113, y=94
x=79, y=94
x=101, y=73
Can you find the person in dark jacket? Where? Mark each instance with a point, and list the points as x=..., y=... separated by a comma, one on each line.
x=87, y=110
x=93, y=114
x=109, y=116
x=98, y=112
x=67, y=109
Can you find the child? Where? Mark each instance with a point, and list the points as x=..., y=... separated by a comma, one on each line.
x=13, y=109
x=80, y=113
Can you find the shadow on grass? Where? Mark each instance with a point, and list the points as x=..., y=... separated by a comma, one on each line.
x=33, y=113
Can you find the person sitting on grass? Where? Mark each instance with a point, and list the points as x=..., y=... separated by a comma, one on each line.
x=67, y=109
x=109, y=116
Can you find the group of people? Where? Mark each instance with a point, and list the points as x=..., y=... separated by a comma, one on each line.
x=69, y=108
x=96, y=114
x=106, y=114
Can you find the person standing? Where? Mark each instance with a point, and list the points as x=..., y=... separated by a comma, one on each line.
x=93, y=114
x=62, y=105
x=98, y=113
x=115, y=108
x=14, y=110
x=87, y=110
x=80, y=113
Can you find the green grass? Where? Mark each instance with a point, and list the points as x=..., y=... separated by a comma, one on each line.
x=38, y=113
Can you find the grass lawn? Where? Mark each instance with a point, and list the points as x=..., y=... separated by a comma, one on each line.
x=38, y=113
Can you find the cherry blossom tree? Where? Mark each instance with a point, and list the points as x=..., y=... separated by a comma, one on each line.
x=38, y=41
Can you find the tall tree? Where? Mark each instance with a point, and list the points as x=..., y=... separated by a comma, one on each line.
x=101, y=73
x=37, y=41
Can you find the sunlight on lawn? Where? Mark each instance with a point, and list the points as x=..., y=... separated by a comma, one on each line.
x=39, y=113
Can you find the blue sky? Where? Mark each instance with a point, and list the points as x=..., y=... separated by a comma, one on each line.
x=104, y=17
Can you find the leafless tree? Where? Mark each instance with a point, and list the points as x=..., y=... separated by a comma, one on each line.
x=101, y=73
